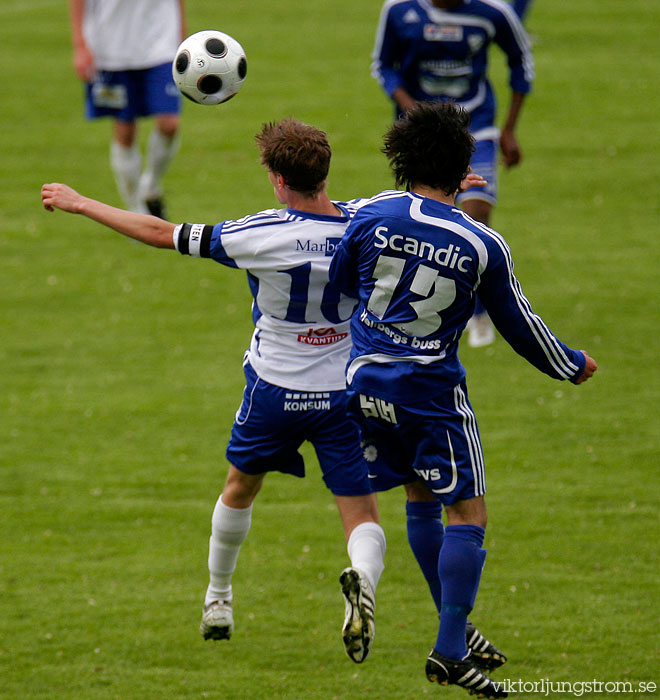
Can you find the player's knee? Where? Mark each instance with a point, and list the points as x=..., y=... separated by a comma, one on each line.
x=125, y=133
x=241, y=489
x=468, y=512
x=168, y=126
x=478, y=209
x=418, y=492
x=355, y=510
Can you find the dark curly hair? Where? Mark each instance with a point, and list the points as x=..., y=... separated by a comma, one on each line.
x=297, y=151
x=430, y=145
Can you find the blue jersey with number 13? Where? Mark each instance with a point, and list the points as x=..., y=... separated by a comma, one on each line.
x=416, y=265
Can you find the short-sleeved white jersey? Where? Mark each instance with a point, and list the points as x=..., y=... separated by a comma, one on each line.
x=132, y=34
x=301, y=339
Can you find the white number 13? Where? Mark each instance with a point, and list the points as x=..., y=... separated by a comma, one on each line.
x=438, y=292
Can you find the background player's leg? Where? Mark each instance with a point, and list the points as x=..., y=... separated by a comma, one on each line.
x=478, y=209
x=480, y=329
x=162, y=146
x=126, y=162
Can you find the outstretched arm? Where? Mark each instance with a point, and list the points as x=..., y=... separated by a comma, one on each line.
x=524, y=330
x=142, y=227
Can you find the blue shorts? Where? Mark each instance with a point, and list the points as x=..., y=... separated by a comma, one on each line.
x=273, y=422
x=129, y=94
x=484, y=163
x=436, y=442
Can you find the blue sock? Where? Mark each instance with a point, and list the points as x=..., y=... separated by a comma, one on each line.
x=460, y=565
x=425, y=536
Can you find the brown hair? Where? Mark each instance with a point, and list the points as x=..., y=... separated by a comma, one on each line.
x=297, y=151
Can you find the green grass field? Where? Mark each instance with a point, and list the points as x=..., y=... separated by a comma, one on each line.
x=120, y=375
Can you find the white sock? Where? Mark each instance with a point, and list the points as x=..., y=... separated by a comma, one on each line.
x=229, y=527
x=160, y=152
x=366, y=549
x=126, y=165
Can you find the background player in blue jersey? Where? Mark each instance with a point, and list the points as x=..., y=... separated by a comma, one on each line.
x=294, y=369
x=416, y=262
x=429, y=50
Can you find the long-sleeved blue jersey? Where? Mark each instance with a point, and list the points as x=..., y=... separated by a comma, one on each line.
x=416, y=264
x=443, y=54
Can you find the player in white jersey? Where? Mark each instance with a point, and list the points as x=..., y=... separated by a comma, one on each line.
x=295, y=387
x=123, y=51
x=416, y=262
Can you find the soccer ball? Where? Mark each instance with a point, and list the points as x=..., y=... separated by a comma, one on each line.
x=210, y=67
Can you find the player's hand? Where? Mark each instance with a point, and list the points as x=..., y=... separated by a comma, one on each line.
x=54, y=195
x=589, y=368
x=511, y=153
x=403, y=99
x=472, y=180
x=83, y=63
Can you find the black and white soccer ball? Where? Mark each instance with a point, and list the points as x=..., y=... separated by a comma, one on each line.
x=209, y=67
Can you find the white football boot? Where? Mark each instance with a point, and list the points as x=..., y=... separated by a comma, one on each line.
x=217, y=620
x=360, y=603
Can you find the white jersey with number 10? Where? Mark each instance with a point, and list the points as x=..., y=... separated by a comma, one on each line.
x=301, y=339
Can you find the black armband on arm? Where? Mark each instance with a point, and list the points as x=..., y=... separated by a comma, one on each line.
x=193, y=239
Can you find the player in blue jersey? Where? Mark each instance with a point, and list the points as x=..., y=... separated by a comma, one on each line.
x=429, y=50
x=416, y=263
x=295, y=384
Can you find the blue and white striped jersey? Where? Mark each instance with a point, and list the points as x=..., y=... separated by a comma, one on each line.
x=416, y=264
x=443, y=54
x=301, y=339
